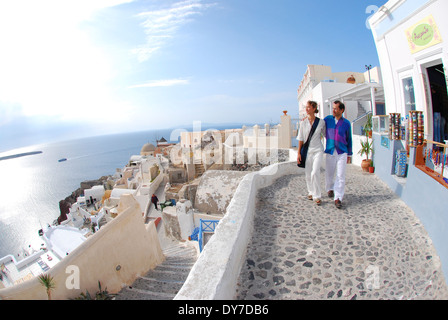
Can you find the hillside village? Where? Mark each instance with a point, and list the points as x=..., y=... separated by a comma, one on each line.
x=192, y=183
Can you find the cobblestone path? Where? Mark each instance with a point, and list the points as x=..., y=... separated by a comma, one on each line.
x=373, y=248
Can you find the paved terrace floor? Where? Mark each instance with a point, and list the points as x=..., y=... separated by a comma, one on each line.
x=373, y=248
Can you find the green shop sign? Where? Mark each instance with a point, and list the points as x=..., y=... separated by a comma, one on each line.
x=423, y=35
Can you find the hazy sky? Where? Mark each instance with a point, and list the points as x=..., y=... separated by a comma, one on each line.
x=88, y=67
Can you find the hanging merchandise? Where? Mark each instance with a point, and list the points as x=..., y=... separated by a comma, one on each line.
x=416, y=128
x=394, y=126
x=391, y=120
x=420, y=129
x=436, y=160
x=445, y=163
x=406, y=123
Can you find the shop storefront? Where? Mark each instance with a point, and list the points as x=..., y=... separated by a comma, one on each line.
x=411, y=140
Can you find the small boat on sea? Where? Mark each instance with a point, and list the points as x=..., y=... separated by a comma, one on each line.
x=63, y=159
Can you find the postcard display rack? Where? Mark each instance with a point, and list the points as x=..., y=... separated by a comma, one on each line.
x=395, y=133
x=414, y=137
x=401, y=158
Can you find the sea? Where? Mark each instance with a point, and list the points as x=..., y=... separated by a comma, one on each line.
x=31, y=186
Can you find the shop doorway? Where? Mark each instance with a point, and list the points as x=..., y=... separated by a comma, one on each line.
x=439, y=98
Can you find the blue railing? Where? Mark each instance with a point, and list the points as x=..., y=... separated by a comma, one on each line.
x=357, y=127
x=195, y=234
x=206, y=226
x=362, y=116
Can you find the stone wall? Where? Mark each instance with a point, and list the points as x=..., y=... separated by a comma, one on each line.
x=188, y=192
x=178, y=221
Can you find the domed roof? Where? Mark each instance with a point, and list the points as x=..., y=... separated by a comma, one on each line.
x=148, y=148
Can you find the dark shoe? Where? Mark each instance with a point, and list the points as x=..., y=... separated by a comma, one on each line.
x=330, y=194
x=309, y=197
x=338, y=204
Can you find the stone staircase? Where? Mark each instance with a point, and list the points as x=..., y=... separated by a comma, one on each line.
x=361, y=110
x=199, y=169
x=163, y=282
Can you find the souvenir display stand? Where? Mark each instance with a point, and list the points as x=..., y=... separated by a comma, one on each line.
x=395, y=126
x=416, y=128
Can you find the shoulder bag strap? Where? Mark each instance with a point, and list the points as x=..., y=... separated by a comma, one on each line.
x=313, y=129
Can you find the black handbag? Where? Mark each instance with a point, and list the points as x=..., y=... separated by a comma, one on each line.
x=304, y=149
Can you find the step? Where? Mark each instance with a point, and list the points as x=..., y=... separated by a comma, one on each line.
x=178, y=248
x=179, y=264
x=179, y=261
x=165, y=275
x=183, y=255
x=180, y=252
x=164, y=281
x=184, y=267
x=137, y=294
x=155, y=285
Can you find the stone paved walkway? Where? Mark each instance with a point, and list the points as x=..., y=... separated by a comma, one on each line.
x=373, y=248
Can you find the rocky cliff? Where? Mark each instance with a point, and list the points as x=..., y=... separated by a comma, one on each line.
x=65, y=205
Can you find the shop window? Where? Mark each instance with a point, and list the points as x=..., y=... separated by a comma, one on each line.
x=409, y=95
x=380, y=109
x=439, y=102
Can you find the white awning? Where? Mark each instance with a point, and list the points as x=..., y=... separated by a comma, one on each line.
x=372, y=92
x=362, y=92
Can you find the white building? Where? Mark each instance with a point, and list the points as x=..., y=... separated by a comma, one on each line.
x=94, y=194
x=320, y=84
x=411, y=39
x=270, y=137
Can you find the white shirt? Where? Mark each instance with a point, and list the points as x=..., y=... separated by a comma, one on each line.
x=316, y=141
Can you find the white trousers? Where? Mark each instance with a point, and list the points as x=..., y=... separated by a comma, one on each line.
x=312, y=173
x=335, y=167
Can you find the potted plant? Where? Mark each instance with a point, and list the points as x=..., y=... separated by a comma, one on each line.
x=367, y=145
x=372, y=167
x=366, y=149
x=368, y=126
